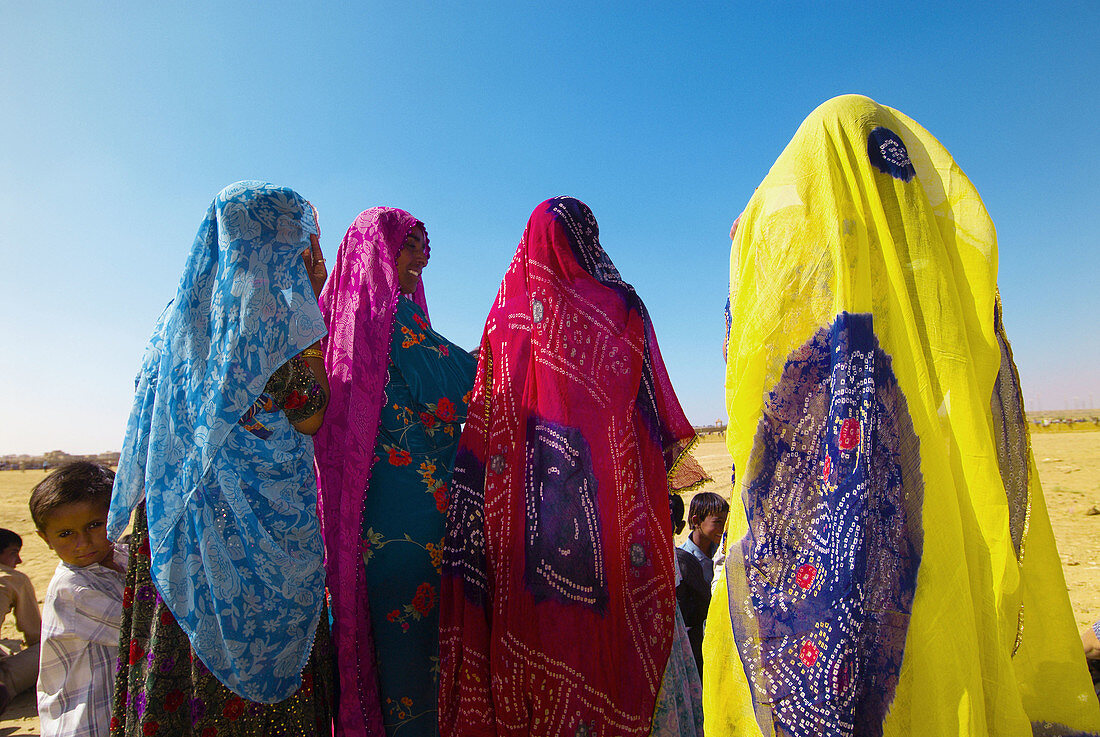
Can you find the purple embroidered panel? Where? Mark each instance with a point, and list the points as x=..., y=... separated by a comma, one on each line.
x=822, y=585
x=464, y=546
x=564, y=560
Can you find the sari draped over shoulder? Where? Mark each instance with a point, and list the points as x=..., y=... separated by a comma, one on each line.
x=359, y=304
x=895, y=571
x=234, y=542
x=557, y=602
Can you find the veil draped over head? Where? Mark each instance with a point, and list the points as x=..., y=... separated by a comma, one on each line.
x=234, y=541
x=557, y=599
x=892, y=569
x=359, y=302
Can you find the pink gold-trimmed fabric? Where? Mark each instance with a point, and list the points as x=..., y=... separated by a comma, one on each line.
x=358, y=304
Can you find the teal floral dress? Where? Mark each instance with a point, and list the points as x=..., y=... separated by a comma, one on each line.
x=427, y=391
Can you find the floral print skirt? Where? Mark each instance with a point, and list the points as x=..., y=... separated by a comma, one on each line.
x=163, y=689
x=402, y=536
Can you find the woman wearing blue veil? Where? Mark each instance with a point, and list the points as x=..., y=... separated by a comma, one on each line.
x=223, y=626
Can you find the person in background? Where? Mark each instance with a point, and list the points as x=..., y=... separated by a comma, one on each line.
x=676, y=506
x=19, y=670
x=384, y=459
x=83, y=606
x=1091, y=642
x=679, y=709
x=707, y=521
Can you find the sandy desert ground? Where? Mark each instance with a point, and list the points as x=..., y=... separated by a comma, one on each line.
x=1069, y=467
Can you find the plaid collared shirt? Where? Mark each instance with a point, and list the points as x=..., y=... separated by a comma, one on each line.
x=81, y=618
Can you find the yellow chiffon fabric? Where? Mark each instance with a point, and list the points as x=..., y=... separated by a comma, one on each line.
x=991, y=647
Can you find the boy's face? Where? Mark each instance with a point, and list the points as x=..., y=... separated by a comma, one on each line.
x=77, y=532
x=712, y=527
x=9, y=556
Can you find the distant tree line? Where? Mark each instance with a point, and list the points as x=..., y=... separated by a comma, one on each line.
x=53, y=459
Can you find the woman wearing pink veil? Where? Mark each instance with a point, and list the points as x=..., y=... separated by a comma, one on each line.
x=398, y=393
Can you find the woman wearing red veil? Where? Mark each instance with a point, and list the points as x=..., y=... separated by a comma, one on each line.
x=557, y=604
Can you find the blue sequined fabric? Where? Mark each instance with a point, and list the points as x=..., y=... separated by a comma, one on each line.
x=822, y=585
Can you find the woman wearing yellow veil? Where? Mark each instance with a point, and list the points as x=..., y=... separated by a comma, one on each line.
x=895, y=572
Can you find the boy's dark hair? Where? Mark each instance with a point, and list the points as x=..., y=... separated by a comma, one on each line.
x=676, y=506
x=79, y=481
x=706, y=503
x=9, y=538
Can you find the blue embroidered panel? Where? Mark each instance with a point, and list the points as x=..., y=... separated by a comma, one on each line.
x=564, y=561
x=822, y=585
x=889, y=155
x=464, y=545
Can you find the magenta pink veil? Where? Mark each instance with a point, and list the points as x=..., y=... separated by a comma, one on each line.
x=358, y=304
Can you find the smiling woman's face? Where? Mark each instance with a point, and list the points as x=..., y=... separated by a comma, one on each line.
x=411, y=260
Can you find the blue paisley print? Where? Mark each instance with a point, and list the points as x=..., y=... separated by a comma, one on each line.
x=233, y=532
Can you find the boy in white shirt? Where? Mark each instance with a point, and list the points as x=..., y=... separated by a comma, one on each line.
x=82, y=612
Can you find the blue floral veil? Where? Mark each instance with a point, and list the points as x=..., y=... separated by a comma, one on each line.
x=235, y=546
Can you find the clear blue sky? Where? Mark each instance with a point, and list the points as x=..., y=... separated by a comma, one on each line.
x=121, y=121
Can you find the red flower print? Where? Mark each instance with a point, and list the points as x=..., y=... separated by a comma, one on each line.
x=150, y=728
x=427, y=419
x=144, y=549
x=393, y=616
x=233, y=709
x=420, y=321
x=114, y=723
x=173, y=700
x=849, y=434
x=804, y=576
x=445, y=410
x=843, y=679
x=424, y=599
x=808, y=654
x=404, y=626
x=295, y=400
x=127, y=597
x=210, y=732
x=399, y=457
x=826, y=466
x=444, y=350
x=165, y=617
x=137, y=652
x=440, y=496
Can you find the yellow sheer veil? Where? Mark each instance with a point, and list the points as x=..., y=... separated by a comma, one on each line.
x=847, y=221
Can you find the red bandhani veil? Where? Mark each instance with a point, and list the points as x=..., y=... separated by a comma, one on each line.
x=557, y=599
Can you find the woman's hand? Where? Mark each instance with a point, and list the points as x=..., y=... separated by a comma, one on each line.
x=315, y=264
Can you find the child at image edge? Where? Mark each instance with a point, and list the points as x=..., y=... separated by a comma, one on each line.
x=82, y=612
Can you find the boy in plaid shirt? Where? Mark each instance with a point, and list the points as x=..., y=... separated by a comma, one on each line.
x=83, y=609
